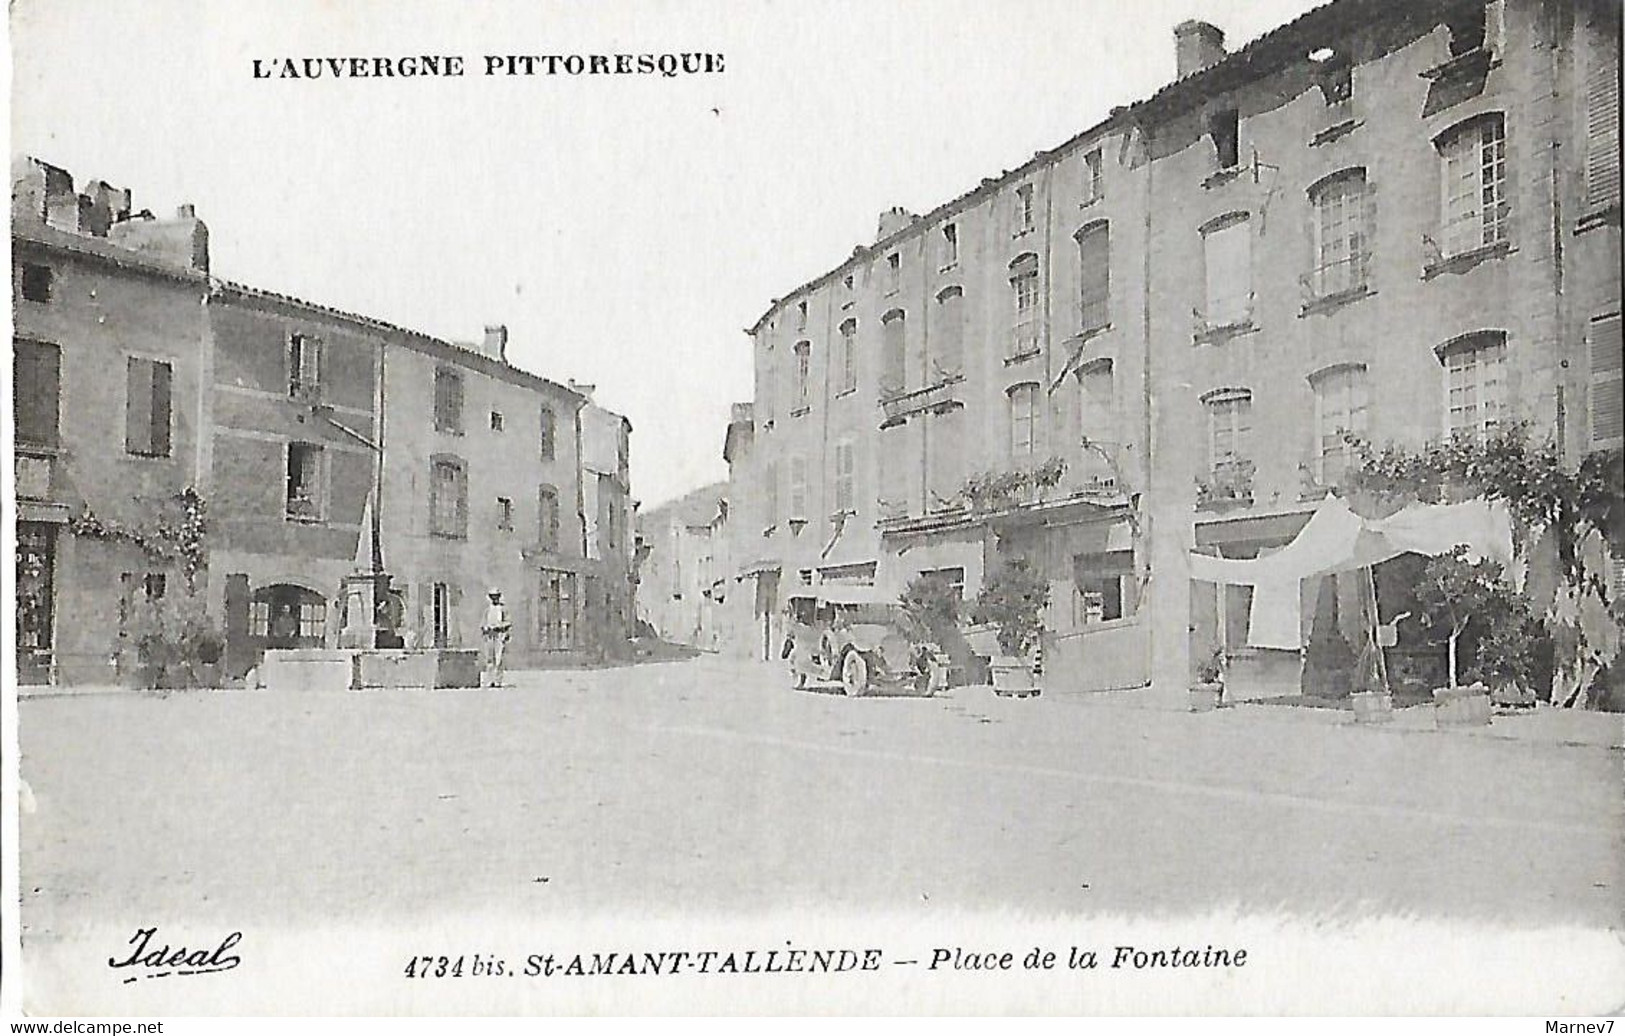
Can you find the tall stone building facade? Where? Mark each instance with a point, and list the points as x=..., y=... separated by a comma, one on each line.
x=1396, y=221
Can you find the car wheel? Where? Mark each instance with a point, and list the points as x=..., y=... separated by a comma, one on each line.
x=855, y=675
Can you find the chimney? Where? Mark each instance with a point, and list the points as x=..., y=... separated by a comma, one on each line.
x=582, y=387
x=61, y=203
x=893, y=220
x=496, y=342
x=1197, y=45
x=104, y=206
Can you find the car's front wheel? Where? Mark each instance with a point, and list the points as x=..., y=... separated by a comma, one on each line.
x=855, y=675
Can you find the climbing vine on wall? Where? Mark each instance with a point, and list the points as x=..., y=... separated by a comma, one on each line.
x=177, y=532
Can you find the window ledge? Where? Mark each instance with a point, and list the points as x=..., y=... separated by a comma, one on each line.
x=1096, y=199
x=38, y=449
x=768, y=532
x=846, y=391
x=1331, y=303
x=449, y=535
x=890, y=292
x=1604, y=217
x=1224, y=332
x=1090, y=333
x=1023, y=357
x=1336, y=131
x=848, y=304
x=796, y=525
x=1225, y=505
x=1461, y=262
x=1220, y=177
x=1022, y=232
x=300, y=519
x=799, y=411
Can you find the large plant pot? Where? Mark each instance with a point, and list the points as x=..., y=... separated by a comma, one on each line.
x=1512, y=698
x=1205, y=696
x=1461, y=706
x=1013, y=676
x=1373, y=706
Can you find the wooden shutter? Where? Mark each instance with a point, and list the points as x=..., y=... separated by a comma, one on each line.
x=160, y=409
x=36, y=391
x=138, y=406
x=1602, y=130
x=1094, y=255
x=1607, y=390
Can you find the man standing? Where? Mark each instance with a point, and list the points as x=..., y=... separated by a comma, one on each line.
x=495, y=629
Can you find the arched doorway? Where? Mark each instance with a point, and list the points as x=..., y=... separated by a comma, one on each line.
x=283, y=615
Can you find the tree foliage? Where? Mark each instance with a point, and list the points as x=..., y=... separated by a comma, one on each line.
x=1012, y=600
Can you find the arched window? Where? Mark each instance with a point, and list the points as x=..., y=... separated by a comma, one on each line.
x=1341, y=404
x=1476, y=209
x=1474, y=384
x=1094, y=276
x=893, y=363
x=1024, y=328
x=948, y=330
x=1227, y=259
x=846, y=367
x=1341, y=233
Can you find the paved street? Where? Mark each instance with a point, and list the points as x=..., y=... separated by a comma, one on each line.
x=711, y=785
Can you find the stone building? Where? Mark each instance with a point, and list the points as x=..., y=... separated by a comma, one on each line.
x=317, y=442
x=607, y=505
x=678, y=576
x=1399, y=221
x=110, y=406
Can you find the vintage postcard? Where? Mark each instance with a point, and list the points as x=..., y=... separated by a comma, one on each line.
x=958, y=507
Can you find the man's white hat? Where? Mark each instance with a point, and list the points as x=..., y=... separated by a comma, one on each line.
x=495, y=591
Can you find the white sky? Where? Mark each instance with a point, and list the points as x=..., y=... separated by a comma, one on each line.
x=622, y=229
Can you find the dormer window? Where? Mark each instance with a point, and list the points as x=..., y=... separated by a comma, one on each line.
x=304, y=367
x=1474, y=25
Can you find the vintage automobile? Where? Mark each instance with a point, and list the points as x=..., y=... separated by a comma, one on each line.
x=857, y=636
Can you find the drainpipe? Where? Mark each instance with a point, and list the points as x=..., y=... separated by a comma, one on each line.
x=1147, y=590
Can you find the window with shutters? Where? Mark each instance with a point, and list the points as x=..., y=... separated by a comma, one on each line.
x=306, y=483
x=846, y=363
x=1341, y=234
x=948, y=331
x=893, y=370
x=1097, y=403
x=304, y=368
x=1474, y=384
x=1229, y=440
x=894, y=273
x=504, y=514
x=1095, y=280
x=1094, y=176
x=770, y=502
x=1224, y=129
x=36, y=282
x=548, y=434
x=147, y=408
x=556, y=610
x=1475, y=210
x=798, y=489
x=547, y=518
x=1024, y=327
x=1023, y=422
x=448, y=401
x=1602, y=130
x=448, y=497
x=36, y=392
x=1024, y=208
x=1227, y=258
x=442, y=613
x=845, y=495
x=1607, y=390
x=1340, y=411
x=803, y=351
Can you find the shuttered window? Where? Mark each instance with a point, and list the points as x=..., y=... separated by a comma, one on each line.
x=1094, y=257
x=547, y=518
x=948, y=333
x=448, y=498
x=448, y=401
x=147, y=410
x=892, y=361
x=37, y=389
x=845, y=497
x=1607, y=390
x=1023, y=422
x=1227, y=252
x=798, y=488
x=1602, y=131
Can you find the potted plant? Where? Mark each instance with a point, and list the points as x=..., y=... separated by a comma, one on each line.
x=931, y=609
x=1207, y=690
x=1506, y=657
x=1012, y=601
x=175, y=643
x=1458, y=597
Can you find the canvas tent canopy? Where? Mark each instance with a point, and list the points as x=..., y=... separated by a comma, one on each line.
x=1335, y=539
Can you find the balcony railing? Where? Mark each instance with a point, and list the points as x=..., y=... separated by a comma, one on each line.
x=1341, y=277
x=938, y=398
x=1023, y=340
x=1227, y=485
